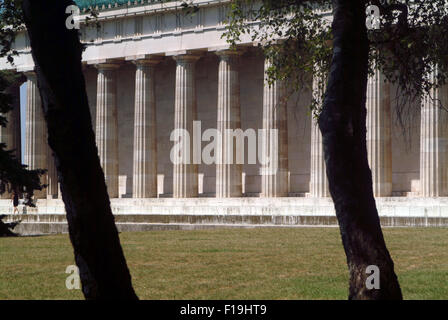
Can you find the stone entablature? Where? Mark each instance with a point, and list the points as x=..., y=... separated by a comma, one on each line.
x=142, y=29
x=107, y=4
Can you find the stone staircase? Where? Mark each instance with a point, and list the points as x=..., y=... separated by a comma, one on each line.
x=200, y=213
x=35, y=224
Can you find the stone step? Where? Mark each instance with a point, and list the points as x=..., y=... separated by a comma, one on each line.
x=32, y=224
x=285, y=207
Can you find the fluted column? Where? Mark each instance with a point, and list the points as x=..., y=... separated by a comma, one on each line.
x=433, y=144
x=318, y=175
x=185, y=175
x=379, y=143
x=10, y=135
x=107, y=125
x=145, y=132
x=36, y=133
x=228, y=171
x=274, y=181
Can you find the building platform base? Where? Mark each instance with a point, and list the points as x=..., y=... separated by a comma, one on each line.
x=37, y=224
x=205, y=213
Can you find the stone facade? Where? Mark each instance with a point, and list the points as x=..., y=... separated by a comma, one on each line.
x=150, y=70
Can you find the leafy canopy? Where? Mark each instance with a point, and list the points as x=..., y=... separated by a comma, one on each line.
x=410, y=47
x=14, y=177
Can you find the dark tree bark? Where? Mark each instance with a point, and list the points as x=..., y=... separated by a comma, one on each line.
x=5, y=228
x=57, y=54
x=343, y=126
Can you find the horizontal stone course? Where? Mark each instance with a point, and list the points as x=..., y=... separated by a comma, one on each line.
x=283, y=206
x=33, y=224
x=84, y=4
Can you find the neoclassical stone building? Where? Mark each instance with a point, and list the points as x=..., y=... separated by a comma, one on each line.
x=149, y=70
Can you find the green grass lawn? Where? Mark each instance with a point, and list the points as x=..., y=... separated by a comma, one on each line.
x=281, y=263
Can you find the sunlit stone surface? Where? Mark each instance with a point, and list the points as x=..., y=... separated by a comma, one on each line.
x=136, y=104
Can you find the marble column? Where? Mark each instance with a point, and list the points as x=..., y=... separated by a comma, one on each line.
x=433, y=144
x=318, y=175
x=185, y=175
x=145, y=132
x=107, y=125
x=11, y=134
x=228, y=171
x=36, y=133
x=274, y=179
x=379, y=142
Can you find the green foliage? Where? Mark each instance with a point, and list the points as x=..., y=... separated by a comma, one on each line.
x=6, y=78
x=294, y=35
x=14, y=177
x=410, y=45
x=411, y=48
x=10, y=23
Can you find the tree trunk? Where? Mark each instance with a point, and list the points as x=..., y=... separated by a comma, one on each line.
x=5, y=228
x=57, y=54
x=343, y=126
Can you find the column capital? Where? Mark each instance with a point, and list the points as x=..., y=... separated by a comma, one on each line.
x=273, y=43
x=85, y=66
x=183, y=58
x=223, y=53
x=152, y=61
x=30, y=74
x=107, y=66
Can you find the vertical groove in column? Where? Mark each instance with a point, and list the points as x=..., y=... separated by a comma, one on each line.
x=228, y=171
x=275, y=139
x=107, y=126
x=185, y=174
x=379, y=145
x=35, y=140
x=145, y=133
x=433, y=144
x=318, y=175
